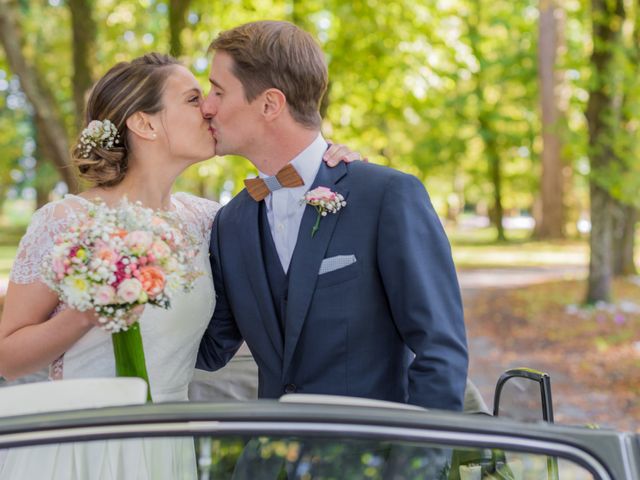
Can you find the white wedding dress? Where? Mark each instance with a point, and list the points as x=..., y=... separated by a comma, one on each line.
x=170, y=338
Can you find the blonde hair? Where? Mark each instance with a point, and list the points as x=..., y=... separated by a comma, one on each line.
x=274, y=54
x=127, y=88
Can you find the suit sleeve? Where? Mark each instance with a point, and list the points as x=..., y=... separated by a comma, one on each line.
x=419, y=278
x=221, y=339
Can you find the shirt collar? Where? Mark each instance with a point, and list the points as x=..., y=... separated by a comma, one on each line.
x=307, y=163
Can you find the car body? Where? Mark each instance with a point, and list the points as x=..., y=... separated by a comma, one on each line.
x=314, y=440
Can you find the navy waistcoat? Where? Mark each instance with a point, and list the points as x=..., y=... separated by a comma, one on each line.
x=278, y=280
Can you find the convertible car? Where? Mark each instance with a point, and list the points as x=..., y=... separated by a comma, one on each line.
x=318, y=437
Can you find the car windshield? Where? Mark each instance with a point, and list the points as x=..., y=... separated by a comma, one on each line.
x=309, y=456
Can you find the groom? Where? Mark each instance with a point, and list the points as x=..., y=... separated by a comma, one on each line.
x=368, y=305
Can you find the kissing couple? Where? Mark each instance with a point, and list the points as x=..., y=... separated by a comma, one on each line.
x=361, y=301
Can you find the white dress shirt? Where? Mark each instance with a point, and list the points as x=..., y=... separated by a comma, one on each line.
x=284, y=209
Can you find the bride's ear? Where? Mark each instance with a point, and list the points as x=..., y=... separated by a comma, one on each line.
x=142, y=125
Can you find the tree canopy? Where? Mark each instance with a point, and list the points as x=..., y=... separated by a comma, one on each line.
x=447, y=90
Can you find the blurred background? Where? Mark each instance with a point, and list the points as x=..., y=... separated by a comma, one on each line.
x=520, y=116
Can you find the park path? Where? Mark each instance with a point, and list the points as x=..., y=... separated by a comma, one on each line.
x=574, y=403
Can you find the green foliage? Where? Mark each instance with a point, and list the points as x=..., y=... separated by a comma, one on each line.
x=320, y=458
x=14, y=131
x=7, y=254
x=409, y=83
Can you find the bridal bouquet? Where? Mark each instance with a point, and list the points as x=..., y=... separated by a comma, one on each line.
x=113, y=260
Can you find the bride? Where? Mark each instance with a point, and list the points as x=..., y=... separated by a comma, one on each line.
x=154, y=102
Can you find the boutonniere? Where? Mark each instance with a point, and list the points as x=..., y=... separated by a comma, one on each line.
x=324, y=201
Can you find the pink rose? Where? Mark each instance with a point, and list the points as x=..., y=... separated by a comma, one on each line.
x=324, y=201
x=104, y=295
x=157, y=221
x=129, y=290
x=107, y=255
x=160, y=249
x=58, y=266
x=138, y=241
x=321, y=194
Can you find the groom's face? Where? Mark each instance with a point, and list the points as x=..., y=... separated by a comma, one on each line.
x=234, y=120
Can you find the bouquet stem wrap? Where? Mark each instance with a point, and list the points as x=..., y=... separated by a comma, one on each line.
x=127, y=348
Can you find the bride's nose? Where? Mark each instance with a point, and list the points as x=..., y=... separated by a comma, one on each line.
x=207, y=107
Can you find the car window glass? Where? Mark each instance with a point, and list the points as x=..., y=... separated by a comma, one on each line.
x=520, y=400
x=299, y=457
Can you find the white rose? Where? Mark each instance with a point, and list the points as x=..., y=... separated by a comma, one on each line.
x=104, y=295
x=139, y=241
x=129, y=290
x=160, y=249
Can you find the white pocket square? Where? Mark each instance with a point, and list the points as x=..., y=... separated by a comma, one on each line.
x=336, y=263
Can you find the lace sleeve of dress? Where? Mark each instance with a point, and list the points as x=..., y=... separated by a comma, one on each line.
x=202, y=211
x=46, y=224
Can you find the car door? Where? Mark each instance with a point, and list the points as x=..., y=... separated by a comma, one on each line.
x=272, y=440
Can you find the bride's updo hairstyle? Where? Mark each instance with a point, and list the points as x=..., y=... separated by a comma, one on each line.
x=127, y=88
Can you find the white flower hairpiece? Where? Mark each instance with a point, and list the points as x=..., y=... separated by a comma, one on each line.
x=102, y=133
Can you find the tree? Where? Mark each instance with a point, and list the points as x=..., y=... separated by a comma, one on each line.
x=54, y=135
x=602, y=122
x=624, y=229
x=177, y=22
x=627, y=153
x=551, y=221
x=410, y=87
x=83, y=45
x=15, y=126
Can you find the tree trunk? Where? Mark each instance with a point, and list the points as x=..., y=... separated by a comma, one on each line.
x=177, y=22
x=550, y=223
x=487, y=133
x=54, y=133
x=83, y=44
x=43, y=182
x=601, y=244
x=600, y=110
x=625, y=218
x=495, y=175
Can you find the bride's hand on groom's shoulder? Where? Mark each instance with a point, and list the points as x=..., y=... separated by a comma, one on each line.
x=337, y=153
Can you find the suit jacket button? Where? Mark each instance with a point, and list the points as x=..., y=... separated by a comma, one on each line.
x=289, y=388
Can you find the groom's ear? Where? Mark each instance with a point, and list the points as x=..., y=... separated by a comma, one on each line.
x=141, y=125
x=273, y=104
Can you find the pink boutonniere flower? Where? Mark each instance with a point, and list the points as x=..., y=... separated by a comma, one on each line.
x=324, y=201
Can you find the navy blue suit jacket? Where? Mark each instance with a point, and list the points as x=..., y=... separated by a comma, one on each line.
x=389, y=326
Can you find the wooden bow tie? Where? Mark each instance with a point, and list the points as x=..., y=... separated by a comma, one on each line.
x=287, y=177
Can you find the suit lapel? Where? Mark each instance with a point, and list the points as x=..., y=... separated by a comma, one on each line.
x=254, y=266
x=307, y=257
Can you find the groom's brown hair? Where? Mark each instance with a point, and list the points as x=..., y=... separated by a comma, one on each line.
x=274, y=54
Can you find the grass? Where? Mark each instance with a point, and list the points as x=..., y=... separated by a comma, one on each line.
x=7, y=254
x=478, y=249
x=11, y=235
x=475, y=248
x=14, y=219
x=9, y=238
x=16, y=212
